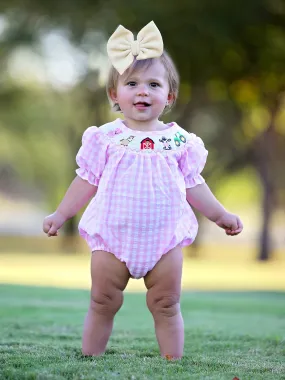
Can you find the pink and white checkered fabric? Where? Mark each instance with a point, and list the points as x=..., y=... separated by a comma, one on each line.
x=140, y=210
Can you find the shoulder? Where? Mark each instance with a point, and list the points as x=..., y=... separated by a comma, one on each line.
x=89, y=133
x=190, y=138
x=109, y=127
x=98, y=133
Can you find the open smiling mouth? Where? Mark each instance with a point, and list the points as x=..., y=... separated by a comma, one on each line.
x=142, y=104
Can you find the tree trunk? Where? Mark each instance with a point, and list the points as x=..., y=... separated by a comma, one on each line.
x=267, y=212
x=265, y=156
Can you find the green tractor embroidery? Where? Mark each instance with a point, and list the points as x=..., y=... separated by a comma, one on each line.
x=178, y=137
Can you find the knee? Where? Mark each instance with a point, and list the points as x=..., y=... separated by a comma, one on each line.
x=106, y=303
x=165, y=305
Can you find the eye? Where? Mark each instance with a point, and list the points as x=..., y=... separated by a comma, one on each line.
x=154, y=84
x=131, y=84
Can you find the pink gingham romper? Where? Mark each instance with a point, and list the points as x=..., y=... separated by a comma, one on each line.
x=140, y=211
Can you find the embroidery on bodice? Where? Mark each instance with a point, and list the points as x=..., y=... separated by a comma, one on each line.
x=174, y=138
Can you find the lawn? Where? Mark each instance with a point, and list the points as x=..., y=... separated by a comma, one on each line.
x=228, y=334
x=217, y=267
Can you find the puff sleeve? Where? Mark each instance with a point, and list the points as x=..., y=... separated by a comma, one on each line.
x=192, y=161
x=91, y=157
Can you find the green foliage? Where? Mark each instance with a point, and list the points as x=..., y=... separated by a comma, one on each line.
x=227, y=335
x=230, y=59
x=230, y=56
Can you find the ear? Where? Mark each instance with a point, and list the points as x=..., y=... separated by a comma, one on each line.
x=113, y=95
x=170, y=98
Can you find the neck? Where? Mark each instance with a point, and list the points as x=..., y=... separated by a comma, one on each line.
x=149, y=125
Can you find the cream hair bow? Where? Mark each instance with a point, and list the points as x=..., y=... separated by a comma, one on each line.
x=122, y=47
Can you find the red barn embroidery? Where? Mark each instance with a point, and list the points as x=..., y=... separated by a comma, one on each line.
x=147, y=143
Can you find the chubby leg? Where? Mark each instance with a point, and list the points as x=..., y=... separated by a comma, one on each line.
x=109, y=278
x=163, y=300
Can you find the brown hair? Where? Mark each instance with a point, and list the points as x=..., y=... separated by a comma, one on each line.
x=172, y=76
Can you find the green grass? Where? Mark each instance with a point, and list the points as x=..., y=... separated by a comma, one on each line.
x=227, y=335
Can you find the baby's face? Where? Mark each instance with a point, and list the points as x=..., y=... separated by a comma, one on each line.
x=143, y=95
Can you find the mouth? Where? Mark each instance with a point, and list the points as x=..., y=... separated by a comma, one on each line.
x=142, y=104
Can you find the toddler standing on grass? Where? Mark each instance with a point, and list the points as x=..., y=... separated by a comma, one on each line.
x=142, y=176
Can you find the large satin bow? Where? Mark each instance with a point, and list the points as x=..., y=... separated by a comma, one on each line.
x=122, y=47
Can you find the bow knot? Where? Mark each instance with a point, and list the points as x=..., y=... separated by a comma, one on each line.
x=122, y=47
x=135, y=46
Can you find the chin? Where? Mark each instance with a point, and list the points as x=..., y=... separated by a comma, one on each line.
x=142, y=118
x=147, y=117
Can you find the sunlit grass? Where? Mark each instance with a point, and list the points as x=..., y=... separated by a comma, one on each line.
x=215, y=268
x=227, y=334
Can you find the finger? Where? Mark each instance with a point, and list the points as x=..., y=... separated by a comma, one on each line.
x=53, y=234
x=234, y=225
x=240, y=225
x=233, y=233
x=238, y=230
x=46, y=226
x=52, y=231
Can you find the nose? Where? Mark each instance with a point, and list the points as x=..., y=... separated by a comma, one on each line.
x=142, y=90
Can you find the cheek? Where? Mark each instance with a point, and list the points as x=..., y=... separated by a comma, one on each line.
x=161, y=97
x=123, y=95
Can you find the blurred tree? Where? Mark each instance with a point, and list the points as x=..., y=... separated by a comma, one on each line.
x=230, y=57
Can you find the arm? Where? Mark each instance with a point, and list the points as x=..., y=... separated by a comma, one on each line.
x=77, y=195
x=204, y=201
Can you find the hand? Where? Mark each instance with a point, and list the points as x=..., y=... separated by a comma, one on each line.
x=230, y=223
x=52, y=223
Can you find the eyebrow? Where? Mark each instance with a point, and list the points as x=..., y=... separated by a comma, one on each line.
x=135, y=79
x=155, y=80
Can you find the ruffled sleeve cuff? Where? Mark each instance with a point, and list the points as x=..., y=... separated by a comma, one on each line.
x=91, y=157
x=192, y=182
x=88, y=176
x=192, y=161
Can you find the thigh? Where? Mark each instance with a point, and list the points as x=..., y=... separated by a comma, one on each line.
x=108, y=273
x=165, y=277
